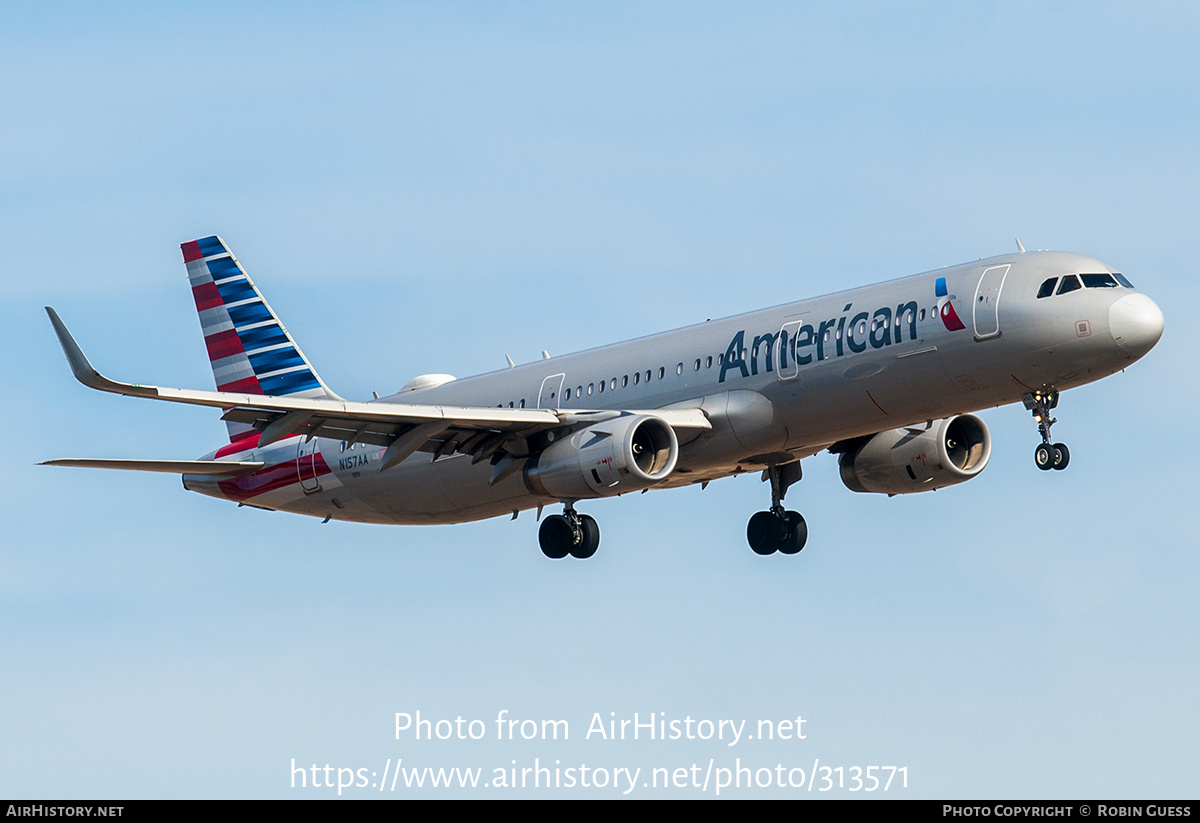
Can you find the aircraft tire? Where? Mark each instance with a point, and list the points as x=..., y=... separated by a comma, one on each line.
x=1062, y=456
x=765, y=532
x=797, y=534
x=556, y=537
x=1043, y=456
x=591, y=538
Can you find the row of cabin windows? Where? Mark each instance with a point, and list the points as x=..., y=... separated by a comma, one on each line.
x=611, y=383
x=1071, y=282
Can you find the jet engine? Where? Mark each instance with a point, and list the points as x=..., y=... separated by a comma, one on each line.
x=918, y=458
x=624, y=454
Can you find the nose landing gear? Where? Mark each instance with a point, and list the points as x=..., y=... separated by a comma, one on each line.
x=569, y=533
x=778, y=530
x=1047, y=455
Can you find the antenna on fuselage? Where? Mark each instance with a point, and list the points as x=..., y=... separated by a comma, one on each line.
x=1020, y=248
x=511, y=364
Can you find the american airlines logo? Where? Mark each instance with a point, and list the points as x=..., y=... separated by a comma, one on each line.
x=798, y=344
x=946, y=306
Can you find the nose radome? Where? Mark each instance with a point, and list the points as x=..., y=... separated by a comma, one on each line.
x=1136, y=323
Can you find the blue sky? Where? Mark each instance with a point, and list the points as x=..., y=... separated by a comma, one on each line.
x=427, y=187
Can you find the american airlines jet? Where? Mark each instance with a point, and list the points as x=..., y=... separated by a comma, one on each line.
x=885, y=376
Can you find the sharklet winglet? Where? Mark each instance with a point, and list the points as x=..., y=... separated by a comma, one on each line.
x=82, y=368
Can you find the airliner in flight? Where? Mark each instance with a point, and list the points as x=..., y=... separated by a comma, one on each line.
x=885, y=376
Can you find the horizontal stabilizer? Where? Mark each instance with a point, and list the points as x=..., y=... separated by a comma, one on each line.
x=208, y=467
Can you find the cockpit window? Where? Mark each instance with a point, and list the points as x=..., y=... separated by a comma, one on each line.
x=1101, y=280
x=1069, y=283
x=1098, y=281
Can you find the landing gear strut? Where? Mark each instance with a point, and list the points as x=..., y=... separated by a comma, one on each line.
x=1047, y=455
x=778, y=530
x=569, y=533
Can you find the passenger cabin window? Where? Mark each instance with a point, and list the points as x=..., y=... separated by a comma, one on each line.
x=1047, y=288
x=1069, y=283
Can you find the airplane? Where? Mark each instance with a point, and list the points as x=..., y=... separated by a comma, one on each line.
x=885, y=376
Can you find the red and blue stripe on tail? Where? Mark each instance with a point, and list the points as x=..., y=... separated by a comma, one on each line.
x=249, y=349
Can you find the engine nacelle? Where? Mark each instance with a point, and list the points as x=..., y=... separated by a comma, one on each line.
x=620, y=455
x=917, y=459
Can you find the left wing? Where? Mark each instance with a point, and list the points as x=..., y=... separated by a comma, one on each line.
x=400, y=427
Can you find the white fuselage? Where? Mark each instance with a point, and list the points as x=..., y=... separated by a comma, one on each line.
x=776, y=384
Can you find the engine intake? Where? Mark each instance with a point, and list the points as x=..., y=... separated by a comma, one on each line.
x=913, y=459
x=624, y=454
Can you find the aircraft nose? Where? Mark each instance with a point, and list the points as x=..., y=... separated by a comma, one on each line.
x=1136, y=323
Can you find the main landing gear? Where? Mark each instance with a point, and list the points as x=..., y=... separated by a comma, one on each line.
x=1047, y=455
x=778, y=530
x=569, y=533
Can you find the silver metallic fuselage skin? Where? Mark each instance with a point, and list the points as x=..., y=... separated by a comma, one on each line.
x=874, y=358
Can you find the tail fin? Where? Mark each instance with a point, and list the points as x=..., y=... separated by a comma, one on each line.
x=250, y=350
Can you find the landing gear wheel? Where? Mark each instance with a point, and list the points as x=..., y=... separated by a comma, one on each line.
x=778, y=530
x=765, y=533
x=1048, y=455
x=1044, y=456
x=569, y=533
x=589, y=538
x=556, y=537
x=1062, y=456
x=797, y=534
